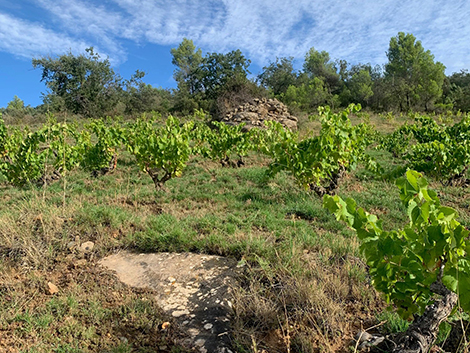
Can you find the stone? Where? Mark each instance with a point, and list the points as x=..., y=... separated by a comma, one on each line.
x=200, y=342
x=79, y=263
x=363, y=336
x=246, y=116
x=52, y=288
x=87, y=246
x=367, y=340
x=178, y=313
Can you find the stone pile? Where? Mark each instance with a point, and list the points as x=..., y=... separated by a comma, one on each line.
x=255, y=113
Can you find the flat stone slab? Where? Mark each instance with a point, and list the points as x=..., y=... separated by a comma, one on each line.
x=193, y=288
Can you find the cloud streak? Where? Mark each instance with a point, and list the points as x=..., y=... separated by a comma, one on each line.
x=358, y=31
x=26, y=39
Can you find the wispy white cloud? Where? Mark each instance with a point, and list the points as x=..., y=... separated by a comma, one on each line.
x=28, y=39
x=358, y=31
x=94, y=22
x=353, y=30
x=167, y=22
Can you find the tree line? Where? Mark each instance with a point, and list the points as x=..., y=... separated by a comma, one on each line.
x=411, y=80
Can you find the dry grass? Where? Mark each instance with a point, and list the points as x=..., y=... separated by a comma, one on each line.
x=319, y=309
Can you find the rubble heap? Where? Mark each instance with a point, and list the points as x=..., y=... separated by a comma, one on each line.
x=255, y=113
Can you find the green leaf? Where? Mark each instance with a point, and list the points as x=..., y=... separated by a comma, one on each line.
x=450, y=281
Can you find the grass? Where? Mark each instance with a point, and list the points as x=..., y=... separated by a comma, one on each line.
x=305, y=287
x=92, y=312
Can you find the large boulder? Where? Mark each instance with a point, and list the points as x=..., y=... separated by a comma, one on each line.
x=256, y=112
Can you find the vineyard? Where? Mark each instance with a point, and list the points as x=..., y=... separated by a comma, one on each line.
x=298, y=208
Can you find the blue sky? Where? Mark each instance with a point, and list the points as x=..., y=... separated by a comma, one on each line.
x=138, y=34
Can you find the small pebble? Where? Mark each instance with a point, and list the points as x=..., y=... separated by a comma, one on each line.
x=87, y=246
x=200, y=342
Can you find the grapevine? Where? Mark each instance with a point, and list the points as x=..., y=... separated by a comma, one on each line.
x=101, y=157
x=160, y=151
x=439, y=151
x=409, y=266
x=318, y=163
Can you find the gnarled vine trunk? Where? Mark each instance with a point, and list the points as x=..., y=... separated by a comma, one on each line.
x=159, y=179
x=422, y=333
x=330, y=189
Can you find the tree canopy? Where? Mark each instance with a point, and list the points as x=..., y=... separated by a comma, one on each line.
x=82, y=84
x=278, y=76
x=458, y=90
x=415, y=78
x=318, y=64
x=203, y=79
x=187, y=59
x=86, y=84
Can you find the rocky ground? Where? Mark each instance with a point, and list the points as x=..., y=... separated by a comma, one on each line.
x=192, y=288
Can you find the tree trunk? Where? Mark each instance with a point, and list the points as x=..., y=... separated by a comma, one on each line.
x=422, y=333
x=459, y=179
x=330, y=189
x=159, y=182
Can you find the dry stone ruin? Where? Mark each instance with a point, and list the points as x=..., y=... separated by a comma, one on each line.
x=256, y=112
